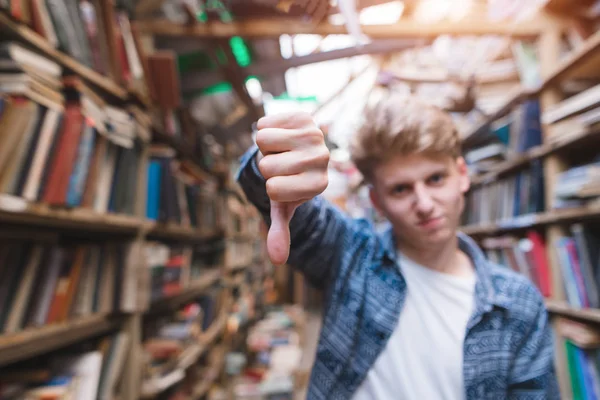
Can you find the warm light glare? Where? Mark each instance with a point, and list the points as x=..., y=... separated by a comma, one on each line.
x=285, y=44
x=254, y=89
x=429, y=11
x=337, y=19
x=388, y=13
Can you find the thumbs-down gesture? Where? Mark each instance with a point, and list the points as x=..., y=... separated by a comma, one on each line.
x=293, y=160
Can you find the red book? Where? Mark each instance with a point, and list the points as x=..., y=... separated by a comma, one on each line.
x=64, y=155
x=540, y=260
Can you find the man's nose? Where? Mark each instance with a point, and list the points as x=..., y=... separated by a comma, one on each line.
x=423, y=199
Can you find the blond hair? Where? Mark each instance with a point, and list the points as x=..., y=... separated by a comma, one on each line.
x=401, y=125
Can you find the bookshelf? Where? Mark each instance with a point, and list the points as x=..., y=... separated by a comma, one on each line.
x=28, y=344
x=148, y=264
x=545, y=230
x=27, y=35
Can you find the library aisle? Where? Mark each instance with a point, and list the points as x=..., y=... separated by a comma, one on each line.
x=132, y=265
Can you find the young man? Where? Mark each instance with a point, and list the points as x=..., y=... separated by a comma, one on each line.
x=417, y=312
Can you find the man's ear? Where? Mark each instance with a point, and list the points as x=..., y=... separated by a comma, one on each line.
x=463, y=171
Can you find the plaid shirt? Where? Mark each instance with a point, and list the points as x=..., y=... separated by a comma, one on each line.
x=508, y=347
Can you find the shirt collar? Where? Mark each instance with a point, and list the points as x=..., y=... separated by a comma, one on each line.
x=486, y=293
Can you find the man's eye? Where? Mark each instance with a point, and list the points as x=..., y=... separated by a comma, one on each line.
x=399, y=189
x=436, y=178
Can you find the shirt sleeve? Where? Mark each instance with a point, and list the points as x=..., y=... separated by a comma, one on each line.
x=533, y=374
x=318, y=230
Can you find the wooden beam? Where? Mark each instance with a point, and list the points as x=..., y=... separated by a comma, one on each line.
x=269, y=67
x=405, y=28
x=234, y=74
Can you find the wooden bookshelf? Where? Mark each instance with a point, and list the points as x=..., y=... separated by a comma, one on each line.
x=216, y=328
x=39, y=222
x=71, y=219
x=204, y=386
x=561, y=308
x=583, y=62
x=32, y=342
x=558, y=140
x=515, y=98
x=187, y=294
x=33, y=39
x=191, y=355
x=182, y=149
x=528, y=221
x=581, y=138
x=182, y=233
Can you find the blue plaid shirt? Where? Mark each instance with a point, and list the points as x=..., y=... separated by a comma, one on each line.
x=508, y=347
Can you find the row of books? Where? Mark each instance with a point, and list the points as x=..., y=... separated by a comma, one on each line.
x=523, y=193
x=94, y=32
x=175, y=342
x=275, y=347
x=579, y=348
x=507, y=197
x=577, y=253
x=579, y=259
x=173, y=268
x=509, y=137
x=92, y=370
x=47, y=283
x=66, y=147
x=178, y=193
x=525, y=255
x=62, y=144
x=578, y=186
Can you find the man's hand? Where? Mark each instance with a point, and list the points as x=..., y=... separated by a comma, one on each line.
x=294, y=163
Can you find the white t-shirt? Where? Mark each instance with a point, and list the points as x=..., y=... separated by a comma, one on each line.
x=424, y=356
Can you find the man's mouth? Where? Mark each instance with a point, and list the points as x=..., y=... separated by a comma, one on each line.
x=430, y=223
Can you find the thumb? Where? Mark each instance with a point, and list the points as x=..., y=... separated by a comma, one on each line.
x=278, y=239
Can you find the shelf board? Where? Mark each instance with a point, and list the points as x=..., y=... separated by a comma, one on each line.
x=563, y=142
x=214, y=330
x=243, y=237
x=202, y=388
x=581, y=63
x=178, y=232
x=72, y=219
x=187, y=294
x=561, y=308
x=528, y=221
x=238, y=266
x=29, y=36
x=155, y=386
x=33, y=342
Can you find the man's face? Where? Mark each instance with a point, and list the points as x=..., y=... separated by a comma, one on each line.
x=422, y=196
